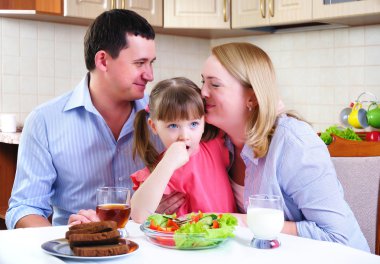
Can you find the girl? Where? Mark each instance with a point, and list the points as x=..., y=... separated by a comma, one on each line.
x=195, y=163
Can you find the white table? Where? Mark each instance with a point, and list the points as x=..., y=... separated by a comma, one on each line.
x=24, y=246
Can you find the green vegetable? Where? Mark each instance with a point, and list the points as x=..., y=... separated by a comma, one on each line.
x=347, y=133
x=186, y=236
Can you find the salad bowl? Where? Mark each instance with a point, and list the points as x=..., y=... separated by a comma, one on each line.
x=200, y=231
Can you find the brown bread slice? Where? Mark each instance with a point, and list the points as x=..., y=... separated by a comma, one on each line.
x=92, y=228
x=103, y=238
x=101, y=251
x=111, y=224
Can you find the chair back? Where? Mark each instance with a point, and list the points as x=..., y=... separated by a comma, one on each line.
x=360, y=178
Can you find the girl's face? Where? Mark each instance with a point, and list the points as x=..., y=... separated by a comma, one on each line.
x=227, y=100
x=188, y=131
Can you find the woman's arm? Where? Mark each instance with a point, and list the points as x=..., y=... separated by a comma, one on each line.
x=147, y=197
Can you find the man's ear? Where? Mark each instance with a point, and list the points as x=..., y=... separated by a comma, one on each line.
x=152, y=125
x=101, y=60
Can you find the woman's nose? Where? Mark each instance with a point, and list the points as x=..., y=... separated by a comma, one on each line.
x=204, y=91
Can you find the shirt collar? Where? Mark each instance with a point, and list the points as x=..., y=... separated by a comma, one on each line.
x=247, y=154
x=80, y=97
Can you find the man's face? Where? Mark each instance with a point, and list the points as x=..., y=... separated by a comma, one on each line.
x=128, y=74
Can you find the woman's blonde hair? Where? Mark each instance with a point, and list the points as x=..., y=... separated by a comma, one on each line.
x=252, y=67
x=170, y=100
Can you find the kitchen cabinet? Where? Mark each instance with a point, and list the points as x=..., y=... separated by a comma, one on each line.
x=210, y=14
x=362, y=12
x=90, y=9
x=32, y=6
x=258, y=13
x=86, y=8
x=150, y=9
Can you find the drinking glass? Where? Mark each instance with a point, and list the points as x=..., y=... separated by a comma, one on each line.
x=265, y=218
x=113, y=203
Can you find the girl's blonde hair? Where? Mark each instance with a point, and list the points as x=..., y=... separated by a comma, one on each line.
x=170, y=100
x=252, y=67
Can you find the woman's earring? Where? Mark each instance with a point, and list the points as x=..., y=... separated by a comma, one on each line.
x=249, y=108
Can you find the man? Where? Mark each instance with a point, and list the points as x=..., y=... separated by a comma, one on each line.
x=82, y=140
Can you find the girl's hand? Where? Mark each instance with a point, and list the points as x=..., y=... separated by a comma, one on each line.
x=83, y=216
x=176, y=155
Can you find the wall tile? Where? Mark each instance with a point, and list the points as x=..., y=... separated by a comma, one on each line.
x=28, y=29
x=10, y=65
x=28, y=66
x=10, y=84
x=10, y=46
x=372, y=35
x=28, y=85
x=28, y=47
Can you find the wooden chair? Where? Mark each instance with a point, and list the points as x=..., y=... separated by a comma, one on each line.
x=360, y=178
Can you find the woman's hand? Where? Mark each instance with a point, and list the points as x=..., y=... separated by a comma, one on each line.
x=83, y=216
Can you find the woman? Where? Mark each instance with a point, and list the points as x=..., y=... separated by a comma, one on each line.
x=274, y=152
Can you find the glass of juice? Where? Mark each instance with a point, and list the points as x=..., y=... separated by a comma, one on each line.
x=113, y=203
x=265, y=218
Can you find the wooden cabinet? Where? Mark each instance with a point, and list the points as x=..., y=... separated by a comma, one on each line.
x=86, y=8
x=344, y=9
x=90, y=9
x=256, y=13
x=8, y=161
x=210, y=14
x=150, y=9
x=34, y=6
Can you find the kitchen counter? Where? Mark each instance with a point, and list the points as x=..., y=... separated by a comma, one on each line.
x=10, y=138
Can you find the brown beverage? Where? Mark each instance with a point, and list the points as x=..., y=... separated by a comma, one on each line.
x=116, y=212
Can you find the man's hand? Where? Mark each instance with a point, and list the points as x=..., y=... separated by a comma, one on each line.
x=83, y=216
x=170, y=203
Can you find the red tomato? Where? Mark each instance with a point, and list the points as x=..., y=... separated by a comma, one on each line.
x=372, y=136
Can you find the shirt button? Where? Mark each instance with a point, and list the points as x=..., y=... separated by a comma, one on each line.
x=120, y=178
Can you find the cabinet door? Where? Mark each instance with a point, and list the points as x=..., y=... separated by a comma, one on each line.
x=256, y=13
x=289, y=11
x=86, y=8
x=248, y=13
x=197, y=14
x=345, y=9
x=150, y=9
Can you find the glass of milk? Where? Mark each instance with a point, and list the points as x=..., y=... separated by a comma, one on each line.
x=265, y=218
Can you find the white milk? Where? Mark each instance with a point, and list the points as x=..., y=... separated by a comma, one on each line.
x=265, y=223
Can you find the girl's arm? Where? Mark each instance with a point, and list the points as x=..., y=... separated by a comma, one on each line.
x=147, y=197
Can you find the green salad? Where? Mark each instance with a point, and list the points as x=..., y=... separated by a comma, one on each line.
x=197, y=230
x=347, y=133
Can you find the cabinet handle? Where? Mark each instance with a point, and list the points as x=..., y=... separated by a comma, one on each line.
x=271, y=8
x=262, y=8
x=113, y=4
x=225, y=10
x=123, y=4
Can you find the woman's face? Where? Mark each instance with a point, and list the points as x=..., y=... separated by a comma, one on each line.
x=226, y=99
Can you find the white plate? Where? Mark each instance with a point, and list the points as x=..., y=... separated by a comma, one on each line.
x=61, y=248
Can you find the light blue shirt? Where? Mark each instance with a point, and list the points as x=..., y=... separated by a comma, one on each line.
x=298, y=167
x=66, y=152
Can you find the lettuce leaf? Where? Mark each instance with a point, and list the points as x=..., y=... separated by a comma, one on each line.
x=347, y=133
x=193, y=235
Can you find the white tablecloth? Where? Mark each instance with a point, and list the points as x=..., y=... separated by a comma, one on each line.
x=24, y=246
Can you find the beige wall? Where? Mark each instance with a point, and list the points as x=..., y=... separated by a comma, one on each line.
x=319, y=72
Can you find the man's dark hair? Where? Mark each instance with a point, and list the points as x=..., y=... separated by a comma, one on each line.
x=108, y=32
